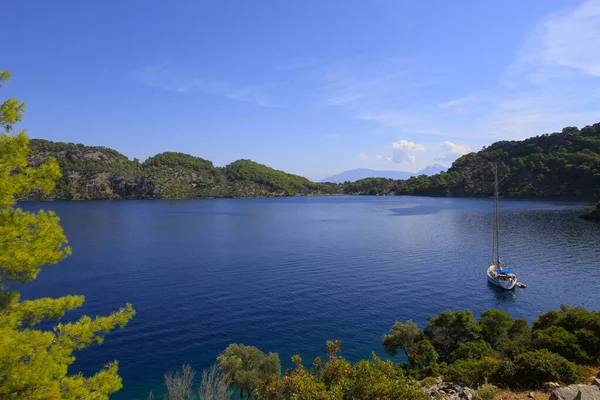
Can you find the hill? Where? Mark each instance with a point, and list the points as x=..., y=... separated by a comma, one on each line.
x=565, y=163
x=93, y=172
x=362, y=173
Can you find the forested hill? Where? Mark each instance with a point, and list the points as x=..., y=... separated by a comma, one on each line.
x=102, y=173
x=565, y=163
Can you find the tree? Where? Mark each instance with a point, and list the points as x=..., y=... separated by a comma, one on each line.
x=449, y=329
x=424, y=354
x=244, y=366
x=519, y=328
x=402, y=337
x=473, y=350
x=495, y=325
x=34, y=362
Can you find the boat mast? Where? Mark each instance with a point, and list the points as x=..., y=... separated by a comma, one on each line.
x=496, y=218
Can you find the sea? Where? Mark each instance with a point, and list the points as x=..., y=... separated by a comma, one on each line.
x=288, y=274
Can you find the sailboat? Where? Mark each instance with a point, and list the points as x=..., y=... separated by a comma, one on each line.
x=496, y=273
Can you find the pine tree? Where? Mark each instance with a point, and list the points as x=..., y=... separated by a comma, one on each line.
x=34, y=363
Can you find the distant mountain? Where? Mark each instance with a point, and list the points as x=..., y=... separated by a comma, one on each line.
x=362, y=173
x=432, y=170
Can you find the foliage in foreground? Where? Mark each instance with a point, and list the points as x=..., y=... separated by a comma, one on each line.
x=495, y=350
x=500, y=350
x=243, y=367
x=338, y=379
x=486, y=392
x=34, y=363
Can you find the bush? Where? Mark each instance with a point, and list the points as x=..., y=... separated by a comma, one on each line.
x=486, y=392
x=473, y=373
x=429, y=381
x=473, y=350
x=533, y=369
x=558, y=340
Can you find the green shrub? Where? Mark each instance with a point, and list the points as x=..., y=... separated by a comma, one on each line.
x=473, y=350
x=473, y=373
x=584, y=324
x=486, y=391
x=558, y=340
x=430, y=381
x=533, y=369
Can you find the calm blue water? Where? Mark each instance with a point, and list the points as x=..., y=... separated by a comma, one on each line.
x=288, y=274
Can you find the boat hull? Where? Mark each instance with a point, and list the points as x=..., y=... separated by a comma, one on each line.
x=508, y=283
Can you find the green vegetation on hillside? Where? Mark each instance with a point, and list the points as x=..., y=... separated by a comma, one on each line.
x=565, y=163
x=34, y=362
x=91, y=172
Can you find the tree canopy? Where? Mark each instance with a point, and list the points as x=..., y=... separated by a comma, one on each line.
x=500, y=350
x=245, y=366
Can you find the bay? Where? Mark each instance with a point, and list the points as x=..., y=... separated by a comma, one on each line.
x=287, y=274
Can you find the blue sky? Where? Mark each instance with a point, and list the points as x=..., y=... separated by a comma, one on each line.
x=310, y=87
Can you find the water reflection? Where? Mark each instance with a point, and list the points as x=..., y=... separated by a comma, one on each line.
x=503, y=295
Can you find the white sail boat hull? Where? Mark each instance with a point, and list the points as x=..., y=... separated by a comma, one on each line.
x=504, y=280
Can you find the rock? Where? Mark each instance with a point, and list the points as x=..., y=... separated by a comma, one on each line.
x=588, y=392
x=596, y=382
x=564, y=393
x=552, y=386
x=576, y=392
x=530, y=395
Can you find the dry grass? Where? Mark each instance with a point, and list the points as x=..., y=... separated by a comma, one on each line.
x=180, y=385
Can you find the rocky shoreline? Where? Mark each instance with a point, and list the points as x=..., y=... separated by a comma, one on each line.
x=449, y=391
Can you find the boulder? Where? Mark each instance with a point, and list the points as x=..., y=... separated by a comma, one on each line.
x=576, y=392
x=588, y=392
x=596, y=382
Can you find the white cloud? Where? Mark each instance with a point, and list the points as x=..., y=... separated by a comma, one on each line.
x=573, y=39
x=363, y=156
x=163, y=77
x=406, y=145
x=402, y=151
x=454, y=148
x=451, y=151
x=379, y=158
